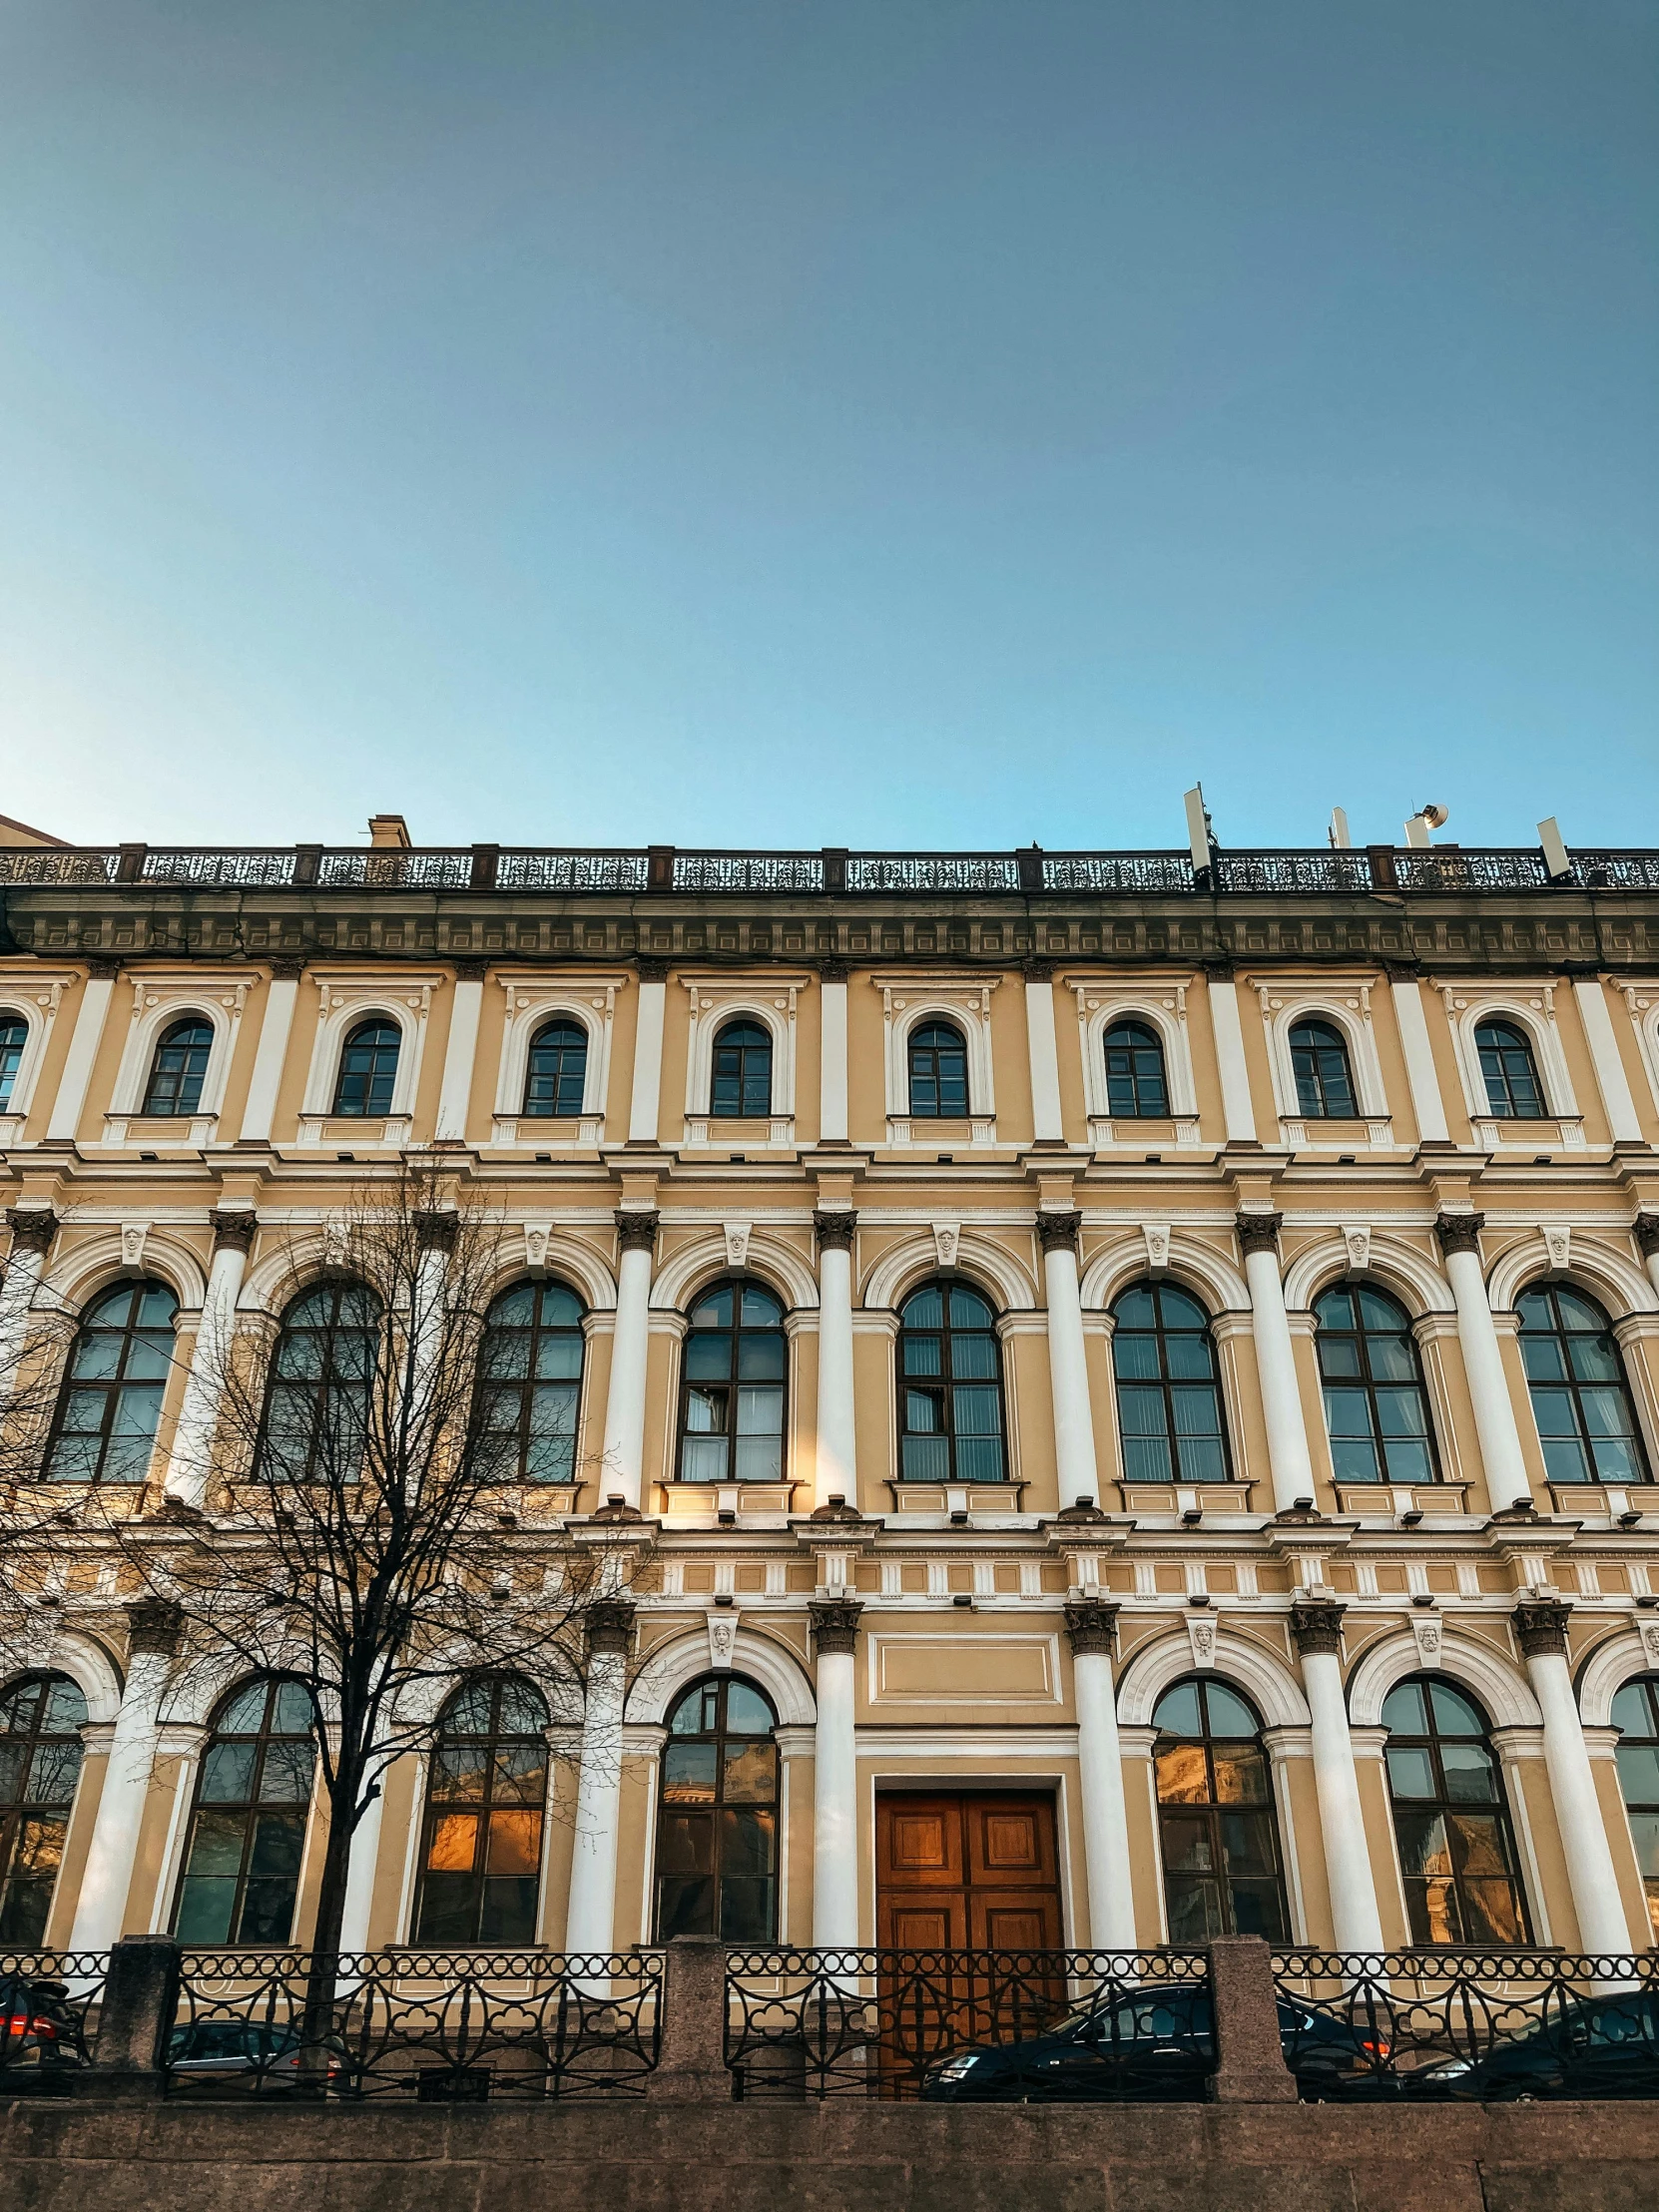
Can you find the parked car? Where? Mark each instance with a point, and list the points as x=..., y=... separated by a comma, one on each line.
x=233, y=2051
x=42, y=2036
x=1154, y=2045
x=1604, y=2046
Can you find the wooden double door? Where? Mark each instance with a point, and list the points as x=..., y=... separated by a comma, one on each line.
x=973, y=1869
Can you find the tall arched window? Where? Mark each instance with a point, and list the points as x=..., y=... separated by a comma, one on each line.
x=1135, y=1084
x=1375, y=1408
x=1214, y=1816
x=1636, y=1716
x=1511, y=1074
x=951, y=1368
x=732, y=1386
x=14, y=1035
x=938, y=1072
x=716, y=1832
x=1580, y=1398
x=316, y=1402
x=179, y=1067
x=530, y=1383
x=41, y=1719
x=1456, y=1849
x=111, y=1401
x=248, y=1826
x=556, y=1074
x=369, y=1068
x=484, y=1810
x=1323, y=1079
x=1169, y=1399
x=742, y=1086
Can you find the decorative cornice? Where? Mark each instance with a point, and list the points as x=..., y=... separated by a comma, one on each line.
x=836, y=1624
x=1058, y=1231
x=1541, y=1628
x=32, y=1227
x=1459, y=1232
x=608, y=1625
x=233, y=1228
x=1647, y=1234
x=636, y=1228
x=1258, y=1231
x=1091, y=1626
x=154, y=1625
x=835, y=1231
x=1316, y=1628
x=436, y=1231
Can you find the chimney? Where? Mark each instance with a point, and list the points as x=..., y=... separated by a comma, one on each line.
x=389, y=829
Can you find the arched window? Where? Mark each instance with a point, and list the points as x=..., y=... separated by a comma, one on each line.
x=732, y=1386
x=111, y=1401
x=556, y=1074
x=1456, y=1851
x=485, y=1804
x=1169, y=1401
x=317, y=1403
x=369, y=1068
x=1580, y=1398
x=530, y=1383
x=14, y=1035
x=41, y=1719
x=938, y=1072
x=1323, y=1080
x=247, y=1828
x=950, y=1366
x=716, y=1832
x=179, y=1067
x=1514, y=1092
x=1375, y=1408
x=1214, y=1816
x=1636, y=1716
x=742, y=1088
x=1135, y=1084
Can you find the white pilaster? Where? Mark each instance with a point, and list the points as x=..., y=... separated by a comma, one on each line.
x=619, y=1473
x=1288, y=1459
x=1068, y=1372
x=32, y=1227
x=1494, y=1411
x=1602, y=1926
x=835, y=1783
x=275, y=1027
x=833, y=1126
x=648, y=1056
x=1623, y=1122
x=1357, y=1924
x=360, y=1874
x=1046, y=1126
x=65, y=1120
x=1238, y=1113
x=1427, y=1106
x=1110, y=1874
x=191, y=1459
x=113, y=1852
x=456, y=1093
x=835, y=1473
x=590, y=1921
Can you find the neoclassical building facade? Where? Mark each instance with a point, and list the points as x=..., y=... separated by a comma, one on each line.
x=1141, y=1392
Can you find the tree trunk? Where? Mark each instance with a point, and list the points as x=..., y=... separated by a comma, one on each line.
x=322, y=1980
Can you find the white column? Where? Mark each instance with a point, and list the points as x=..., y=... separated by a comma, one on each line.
x=833, y=1126
x=1238, y=1113
x=836, y=1456
x=1068, y=1372
x=1427, y=1106
x=1045, y=1061
x=1647, y=1240
x=456, y=1092
x=1111, y=1890
x=360, y=1874
x=590, y=1919
x=1494, y=1411
x=835, y=1782
x=1614, y=1085
x=1602, y=1926
x=1291, y=1470
x=101, y=1906
x=191, y=1459
x=619, y=1473
x=648, y=1053
x=32, y=1227
x=1357, y=1924
x=275, y=1027
x=65, y=1118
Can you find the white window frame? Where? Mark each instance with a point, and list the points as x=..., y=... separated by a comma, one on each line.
x=344, y=998
x=1642, y=1004
x=1345, y=1002
x=712, y=1002
x=34, y=999
x=533, y=999
x=162, y=998
x=1530, y=1005
x=1164, y=1007
x=964, y=1002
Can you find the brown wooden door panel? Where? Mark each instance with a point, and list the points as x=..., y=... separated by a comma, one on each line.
x=919, y=1842
x=973, y=1871
x=1009, y=1921
x=925, y=1924
x=1010, y=1843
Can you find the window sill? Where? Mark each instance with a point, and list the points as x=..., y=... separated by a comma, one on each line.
x=948, y=1501
x=347, y=1130
x=704, y=1130
x=921, y=1130
x=1180, y=1498
x=1434, y=1500
x=704, y=1504
x=175, y=1132
x=1311, y=1134
x=548, y=1132
x=1565, y=1131
x=1581, y=1499
x=1128, y=1132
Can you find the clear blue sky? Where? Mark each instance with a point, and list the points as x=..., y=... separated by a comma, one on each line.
x=867, y=421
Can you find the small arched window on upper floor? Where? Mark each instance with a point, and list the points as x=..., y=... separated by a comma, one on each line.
x=741, y=1089
x=41, y=1719
x=950, y=1383
x=556, y=1073
x=485, y=1808
x=316, y=1407
x=368, y=1069
x=1636, y=1717
x=1451, y=1820
x=1169, y=1395
x=179, y=1067
x=1375, y=1406
x=248, y=1825
x=1136, y=1085
x=14, y=1035
x=1216, y=1825
x=716, y=1831
x=937, y=1055
x=1323, y=1077
x=1580, y=1395
x=111, y=1401
x=732, y=1388
x=1509, y=1072
x=530, y=1384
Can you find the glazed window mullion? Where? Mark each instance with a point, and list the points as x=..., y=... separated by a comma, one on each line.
x=1562, y=1333
x=962, y=1379
x=46, y=1757
x=725, y=1446
x=136, y=1319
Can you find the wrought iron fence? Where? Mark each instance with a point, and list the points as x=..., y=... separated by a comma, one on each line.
x=47, y=1999
x=1108, y=872
x=570, y=871
x=1468, y=2025
x=748, y=871
x=962, y=2026
x=425, y=2025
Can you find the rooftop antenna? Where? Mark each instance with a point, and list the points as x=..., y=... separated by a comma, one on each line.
x=1556, y=862
x=1201, y=838
x=1336, y=835
x=1424, y=820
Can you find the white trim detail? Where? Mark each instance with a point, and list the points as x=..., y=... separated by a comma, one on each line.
x=1612, y=1277
x=532, y=999
x=769, y=1257
x=1530, y=1005
x=1345, y=1002
x=91, y=1267
x=1265, y=1680
x=1611, y=1665
x=1011, y=1286
x=712, y=1002
x=1189, y=1262
x=1398, y=1266
x=672, y=1666
x=1100, y=1003
x=34, y=999
x=344, y=998
x=965, y=1002
x=1500, y=1686
x=161, y=998
x=48, y=1647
